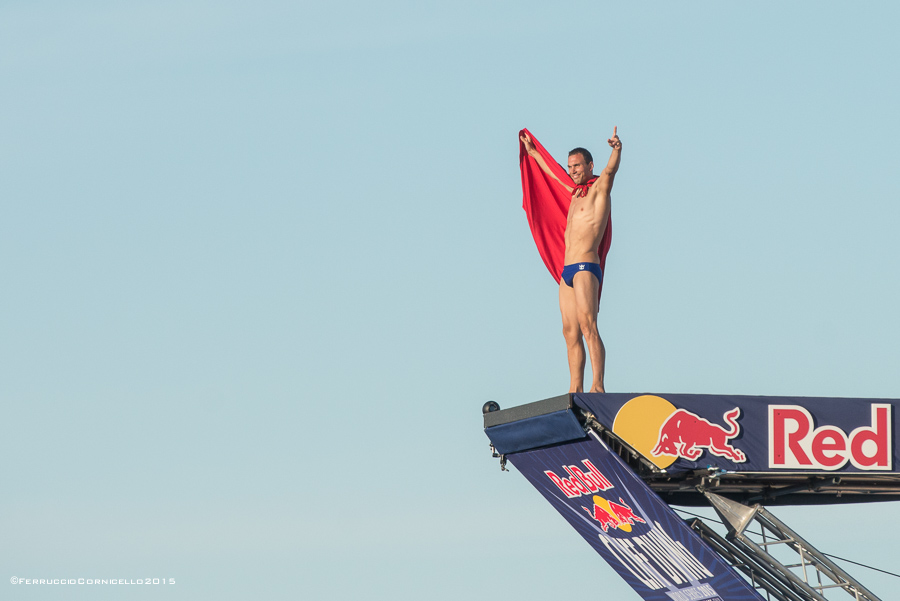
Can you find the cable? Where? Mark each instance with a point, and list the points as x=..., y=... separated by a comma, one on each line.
x=861, y=564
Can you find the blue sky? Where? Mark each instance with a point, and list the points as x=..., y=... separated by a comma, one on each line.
x=263, y=263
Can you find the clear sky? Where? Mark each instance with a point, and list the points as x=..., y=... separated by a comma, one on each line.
x=263, y=262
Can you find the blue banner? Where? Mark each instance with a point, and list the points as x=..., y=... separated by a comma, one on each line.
x=682, y=432
x=629, y=525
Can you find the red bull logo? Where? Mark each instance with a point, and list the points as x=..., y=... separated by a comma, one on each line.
x=613, y=515
x=663, y=433
x=686, y=434
x=794, y=442
x=580, y=482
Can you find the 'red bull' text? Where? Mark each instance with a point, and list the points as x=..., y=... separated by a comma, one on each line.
x=794, y=442
x=580, y=482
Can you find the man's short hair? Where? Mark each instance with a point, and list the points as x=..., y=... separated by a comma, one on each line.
x=583, y=152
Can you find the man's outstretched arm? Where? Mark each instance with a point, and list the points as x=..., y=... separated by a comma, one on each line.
x=533, y=153
x=609, y=172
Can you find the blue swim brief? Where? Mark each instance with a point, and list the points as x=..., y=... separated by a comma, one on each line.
x=569, y=271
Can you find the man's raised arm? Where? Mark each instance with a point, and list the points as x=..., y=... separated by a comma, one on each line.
x=609, y=172
x=533, y=153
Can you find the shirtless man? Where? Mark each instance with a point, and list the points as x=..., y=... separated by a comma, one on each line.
x=579, y=286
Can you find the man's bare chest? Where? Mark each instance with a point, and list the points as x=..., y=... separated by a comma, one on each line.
x=583, y=208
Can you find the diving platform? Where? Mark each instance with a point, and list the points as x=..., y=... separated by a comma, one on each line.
x=612, y=464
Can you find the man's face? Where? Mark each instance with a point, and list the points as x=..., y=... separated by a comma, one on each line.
x=579, y=170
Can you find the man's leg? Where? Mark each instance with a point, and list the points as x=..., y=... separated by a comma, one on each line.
x=587, y=304
x=572, y=333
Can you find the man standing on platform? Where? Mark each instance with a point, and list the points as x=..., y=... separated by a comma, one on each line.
x=579, y=286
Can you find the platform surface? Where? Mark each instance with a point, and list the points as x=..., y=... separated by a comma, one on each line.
x=770, y=450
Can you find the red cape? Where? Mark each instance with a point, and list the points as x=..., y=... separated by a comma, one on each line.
x=546, y=204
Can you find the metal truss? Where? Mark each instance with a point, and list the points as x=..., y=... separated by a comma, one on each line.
x=809, y=577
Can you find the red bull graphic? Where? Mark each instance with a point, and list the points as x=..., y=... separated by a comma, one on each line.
x=795, y=443
x=634, y=530
x=685, y=434
x=611, y=514
x=752, y=433
x=580, y=483
x=664, y=433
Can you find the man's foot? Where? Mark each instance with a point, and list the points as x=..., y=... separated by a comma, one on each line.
x=597, y=389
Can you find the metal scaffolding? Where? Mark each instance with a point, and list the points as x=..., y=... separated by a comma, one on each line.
x=808, y=578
